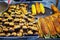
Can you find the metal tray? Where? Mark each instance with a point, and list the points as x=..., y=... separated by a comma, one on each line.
x=34, y=37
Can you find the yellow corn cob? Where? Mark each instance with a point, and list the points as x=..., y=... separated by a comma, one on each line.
x=33, y=9
x=37, y=7
x=42, y=9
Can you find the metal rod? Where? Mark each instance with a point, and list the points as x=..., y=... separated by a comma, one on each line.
x=57, y=3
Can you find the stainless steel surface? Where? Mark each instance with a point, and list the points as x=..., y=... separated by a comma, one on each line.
x=3, y=6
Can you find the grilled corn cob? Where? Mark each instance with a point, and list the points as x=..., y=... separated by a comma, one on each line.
x=39, y=28
x=33, y=9
x=51, y=27
x=57, y=26
x=45, y=28
x=42, y=9
x=37, y=7
x=54, y=8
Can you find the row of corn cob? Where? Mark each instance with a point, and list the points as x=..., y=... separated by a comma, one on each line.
x=50, y=26
x=38, y=8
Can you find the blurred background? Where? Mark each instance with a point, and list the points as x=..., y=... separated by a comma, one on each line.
x=47, y=3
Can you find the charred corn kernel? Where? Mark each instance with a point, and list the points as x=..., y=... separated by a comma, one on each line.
x=54, y=8
x=33, y=9
x=37, y=7
x=42, y=9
